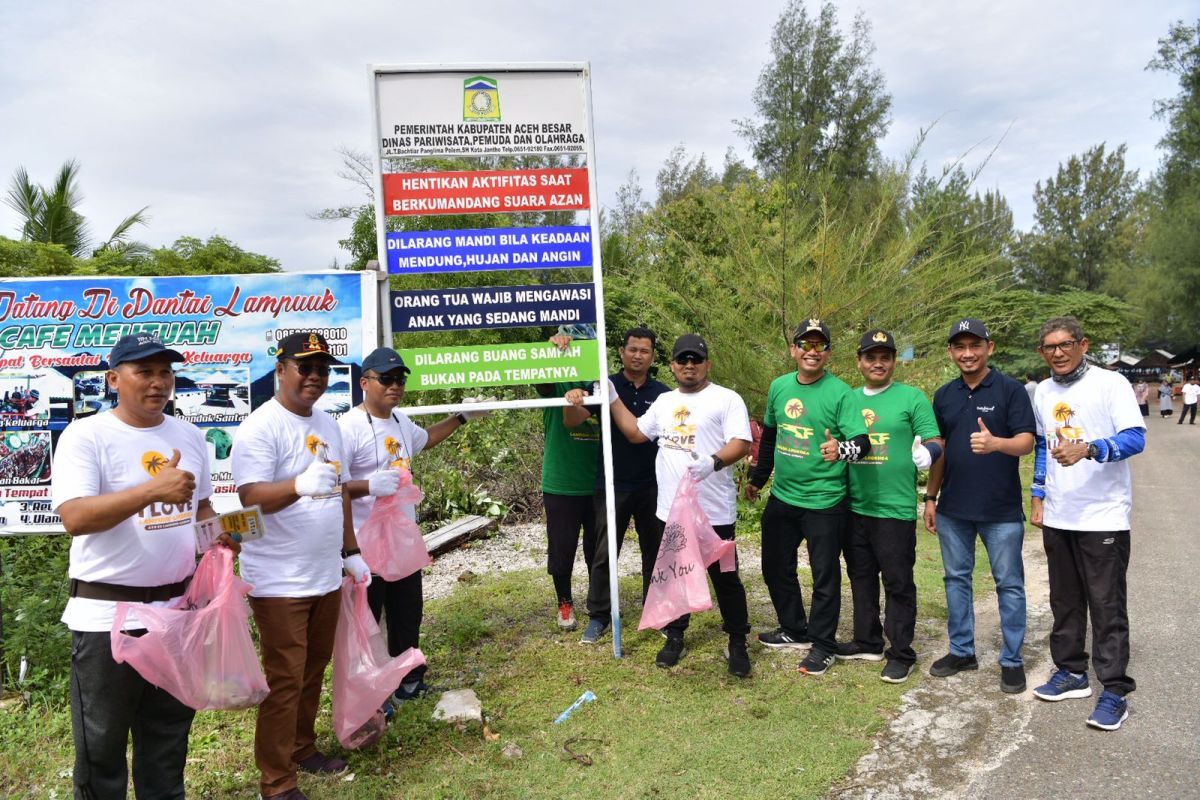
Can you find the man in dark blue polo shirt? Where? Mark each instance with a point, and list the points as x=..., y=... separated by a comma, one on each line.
x=635, y=484
x=975, y=490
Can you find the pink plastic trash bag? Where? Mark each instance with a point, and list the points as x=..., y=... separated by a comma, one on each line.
x=199, y=648
x=679, y=584
x=390, y=541
x=363, y=673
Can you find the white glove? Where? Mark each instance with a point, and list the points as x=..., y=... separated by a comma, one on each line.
x=702, y=468
x=357, y=568
x=383, y=483
x=474, y=414
x=318, y=479
x=612, y=392
x=920, y=454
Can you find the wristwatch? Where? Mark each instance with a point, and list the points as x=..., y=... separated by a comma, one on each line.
x=353, y=551
x=1093, y=451
x=718, y=464
x=462, y=420
x=926, y=498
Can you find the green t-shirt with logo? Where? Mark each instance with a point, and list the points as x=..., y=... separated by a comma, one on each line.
x=801, y=413
x=884, y=484
x=569, y=458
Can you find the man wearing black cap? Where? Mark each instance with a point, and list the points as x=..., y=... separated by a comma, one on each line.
x=129, y=485
x=287, y=458
x=812, y=429
x=701, y=428
x=988, y=424
x=882, y=536
x=379, y=439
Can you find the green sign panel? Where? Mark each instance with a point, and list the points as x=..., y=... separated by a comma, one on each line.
x=501, y=365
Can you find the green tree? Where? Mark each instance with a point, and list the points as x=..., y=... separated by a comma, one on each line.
x=1179, y=54
x=966, y=221
x=50, y=214
x=1084, y=223
x=821, y=104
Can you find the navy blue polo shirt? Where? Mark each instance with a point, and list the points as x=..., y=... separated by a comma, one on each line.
x=633, y=464
x=982, y=488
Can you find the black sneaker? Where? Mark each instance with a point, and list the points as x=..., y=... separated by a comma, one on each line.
x=815, y=663
x=1012, y=680
x=737, y=657
x=780, y=639
x=851, y=651
x=951, y=664
x=896, y=671
x=671, y=652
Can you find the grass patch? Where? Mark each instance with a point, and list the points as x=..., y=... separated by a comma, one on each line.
x=693, y=731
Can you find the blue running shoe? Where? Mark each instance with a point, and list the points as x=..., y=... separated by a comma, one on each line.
x=1064, y=685
x=403, y=695
x=1111, y=711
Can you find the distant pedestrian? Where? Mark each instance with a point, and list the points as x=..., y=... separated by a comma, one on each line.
x=1191, y=392
x=1141, y=393
x=1166, y=401
x=1087, y=422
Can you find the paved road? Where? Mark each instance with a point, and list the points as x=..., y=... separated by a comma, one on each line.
x=961, y=738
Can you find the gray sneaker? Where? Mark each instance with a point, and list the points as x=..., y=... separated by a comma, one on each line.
x=596, y=628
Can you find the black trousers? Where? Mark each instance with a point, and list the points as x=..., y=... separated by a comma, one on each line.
x=876, y=547
x=784, y=526
x=731, y=594
x=404, y=602
x=1187, y=409
x=566, y=515
x=110, y=701
x=1087, y=577
x=639, y=506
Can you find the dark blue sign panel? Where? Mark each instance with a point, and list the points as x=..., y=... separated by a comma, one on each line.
x=485, y=249
x=493, y=307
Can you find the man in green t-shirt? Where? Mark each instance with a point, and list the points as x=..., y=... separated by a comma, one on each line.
x=811, y=430
x=882, y=535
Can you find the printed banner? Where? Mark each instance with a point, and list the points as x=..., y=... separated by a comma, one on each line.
x=486, y=192
x=56, y=334
x=501, y=365
x=476, y=114
x=492, y=307
x=489, y=249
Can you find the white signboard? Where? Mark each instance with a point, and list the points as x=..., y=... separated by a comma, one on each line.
x=482, y=113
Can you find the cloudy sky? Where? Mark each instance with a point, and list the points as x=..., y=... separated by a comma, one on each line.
x=225, y=117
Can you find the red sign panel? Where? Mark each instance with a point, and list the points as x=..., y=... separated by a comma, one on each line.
x=490, y=192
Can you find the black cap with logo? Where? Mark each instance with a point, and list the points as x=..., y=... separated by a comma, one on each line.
x=876, y=338
x=691, y=343
x=305, y=345
x=136, y=346
x=969, y=325
x=812, y=325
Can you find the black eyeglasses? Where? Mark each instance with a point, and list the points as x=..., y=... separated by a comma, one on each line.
x=388, y=380
x=1066, y=346
x=689, y=358
x=308, y=368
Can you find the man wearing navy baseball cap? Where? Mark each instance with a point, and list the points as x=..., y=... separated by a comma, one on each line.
x=380, y=440
x=975, y=491
x=129, y=485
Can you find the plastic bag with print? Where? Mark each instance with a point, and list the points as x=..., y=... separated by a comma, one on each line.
x=390, y=541
x=679, y=584
x=199, y=648
x=364, y=675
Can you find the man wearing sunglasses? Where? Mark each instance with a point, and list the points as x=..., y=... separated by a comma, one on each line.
x=975, y=491
x=287, y=459
x=379, y=441
x=812, y=429
x=703, y=429
x=1089, y=425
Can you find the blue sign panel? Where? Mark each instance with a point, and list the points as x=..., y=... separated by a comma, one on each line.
x=493, y=307
x=486, y=249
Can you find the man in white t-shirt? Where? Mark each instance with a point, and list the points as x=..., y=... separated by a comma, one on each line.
x=1089, y=424
x=1191, y=392
x=701, y=428
x=379, y=439
x=287, y=459
x=129, y=485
